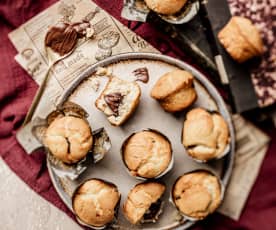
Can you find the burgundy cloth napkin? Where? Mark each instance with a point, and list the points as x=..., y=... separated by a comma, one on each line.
x=17, y=90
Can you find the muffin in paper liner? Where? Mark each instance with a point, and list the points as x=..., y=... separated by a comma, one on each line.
x=138, y=10
x=198, y=128
x=200, y=194
x=101, y=143
x=149, y=169
x=104, y=213
x=186, y=14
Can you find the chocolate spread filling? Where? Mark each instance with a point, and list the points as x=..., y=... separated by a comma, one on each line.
x=153, y=212
x=142, y=74
x=68, y=145
x=63, y=37
x=191, y=146
x=113, y=100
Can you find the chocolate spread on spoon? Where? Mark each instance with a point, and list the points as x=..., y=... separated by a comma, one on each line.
x=63, y=37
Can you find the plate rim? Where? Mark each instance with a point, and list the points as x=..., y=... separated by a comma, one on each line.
x=169, y=60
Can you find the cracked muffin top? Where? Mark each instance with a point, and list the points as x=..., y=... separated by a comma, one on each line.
x=147, y=154
x=69, y=139
x=205, y=134
x=95, y=202
x=197, y=194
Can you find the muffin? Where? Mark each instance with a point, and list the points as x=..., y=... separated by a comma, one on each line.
x=95, y=202
x=119, y=100
x=166, y=6
x=241, y=39
x=174, y=91
x=205, y=135
x=147, y=154
x=144, y=203
x=68, y=138
x=197, y=194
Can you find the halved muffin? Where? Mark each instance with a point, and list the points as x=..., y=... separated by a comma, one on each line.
x=119, y=100
x=144, y=202
x=174, y=90
x=197, y=194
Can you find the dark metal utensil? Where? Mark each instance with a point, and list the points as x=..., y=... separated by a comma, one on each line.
x=215, y=14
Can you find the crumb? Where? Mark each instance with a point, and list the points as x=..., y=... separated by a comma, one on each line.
x=102, y=71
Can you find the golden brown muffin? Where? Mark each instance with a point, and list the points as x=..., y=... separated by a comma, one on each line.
x=197, y=194
x=174, y=90
x=147, y=154
x=69, y=138
x=95, y=202
x=119, y=100
x=143, y=200
x=205, y=135
x=165, y=6
x=241, y=39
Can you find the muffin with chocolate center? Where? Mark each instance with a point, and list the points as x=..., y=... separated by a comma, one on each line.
x=144, y=202
x=119, y=100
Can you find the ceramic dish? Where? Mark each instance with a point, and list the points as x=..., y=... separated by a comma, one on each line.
x=149, y=114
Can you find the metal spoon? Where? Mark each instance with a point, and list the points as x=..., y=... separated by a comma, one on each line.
x=53, y=58
x=60, y=42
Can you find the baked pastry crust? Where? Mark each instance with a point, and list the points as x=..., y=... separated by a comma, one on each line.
x=205, y=135
x=147, y=154
x=174, y=90
x=140, y=198
x=241, y=39
x=130, y=93
x=69, y=138
x=95, y=202
x=165, y=6
x=197, y=194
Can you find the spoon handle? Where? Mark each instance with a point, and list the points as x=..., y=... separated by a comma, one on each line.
x=38, y=96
